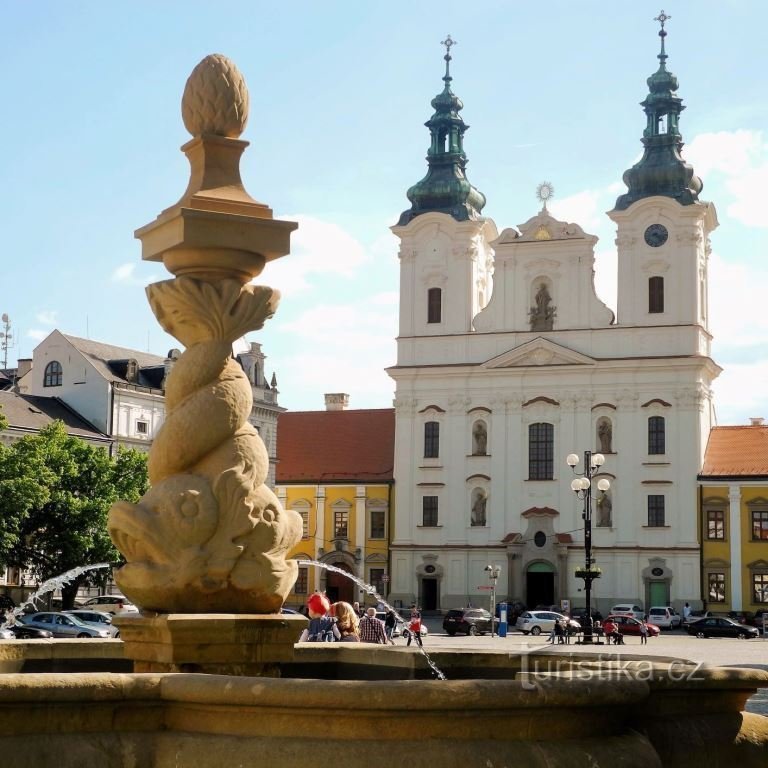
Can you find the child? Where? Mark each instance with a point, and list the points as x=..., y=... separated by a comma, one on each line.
x=322, y=628
x=643, y=632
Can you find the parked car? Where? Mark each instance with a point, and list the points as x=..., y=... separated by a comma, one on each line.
x=98, y=619
x=665, y=616
x=757, y=618
x=580, y=615
x=628, y=609
x=629, y=625
x=536, y=622
x=63, y=625
x=743, y=617
x=716, y=626
x=23, y=632
x=110, y=604
x=470, y=621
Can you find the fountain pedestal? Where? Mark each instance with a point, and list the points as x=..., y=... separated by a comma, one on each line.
x=222, y=644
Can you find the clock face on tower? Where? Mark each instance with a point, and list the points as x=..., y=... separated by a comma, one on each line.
x=656, y=235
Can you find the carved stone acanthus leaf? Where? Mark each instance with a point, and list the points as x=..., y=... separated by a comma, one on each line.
x=195, y=310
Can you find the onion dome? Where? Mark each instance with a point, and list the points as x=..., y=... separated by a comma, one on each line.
x=661, y=170
x=445, y=188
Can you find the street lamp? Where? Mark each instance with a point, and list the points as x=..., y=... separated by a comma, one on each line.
x=581, y=485
x=493, y=572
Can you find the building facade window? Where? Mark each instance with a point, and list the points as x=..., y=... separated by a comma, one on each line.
x=53, y=374
x=760, y=524
x=142, y=427
x=432, y=440
x=541, y=451
x=378, y=524
x=340, y=524
x=301, y=587
x=655, y=511
x=376, y=579
x=656, y=435
x=429, y=511
x=434, y=305
x=655, y=295
x=760, y=587
x=716, y=587
x=716, y=524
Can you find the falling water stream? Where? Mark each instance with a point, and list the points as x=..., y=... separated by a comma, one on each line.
x=370, y=590
x=50, y=585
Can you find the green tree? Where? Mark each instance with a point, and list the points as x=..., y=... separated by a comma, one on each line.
x=55, y=494
x=3, y=420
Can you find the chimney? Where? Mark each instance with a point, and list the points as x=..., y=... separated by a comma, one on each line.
x=24, y=367
x=336, y=401
x=755, y=421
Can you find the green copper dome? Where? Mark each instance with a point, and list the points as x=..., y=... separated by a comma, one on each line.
x=661, y=170
x=445, y=188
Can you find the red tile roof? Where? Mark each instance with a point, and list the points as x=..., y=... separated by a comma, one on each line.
x=336, y=446
x=736, y=452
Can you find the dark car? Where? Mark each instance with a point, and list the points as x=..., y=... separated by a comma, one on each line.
x=471, y=621
x=23, y=632
x=716, y=626
x=580, y=615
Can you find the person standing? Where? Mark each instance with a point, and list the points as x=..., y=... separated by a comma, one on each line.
x=643, y=632
x=414, y=628
x=686, y=613
x=347, y=622
x=390, y=622
x=371, y=629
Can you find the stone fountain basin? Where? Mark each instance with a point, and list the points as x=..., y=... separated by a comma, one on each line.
x=567, y=711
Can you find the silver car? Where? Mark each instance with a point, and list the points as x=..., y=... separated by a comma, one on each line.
x=63, y=625
x=536, y=622
x=99, y=619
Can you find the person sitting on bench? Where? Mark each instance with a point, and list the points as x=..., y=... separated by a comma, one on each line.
x=612, y=633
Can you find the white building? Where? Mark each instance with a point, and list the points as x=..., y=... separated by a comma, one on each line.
x=508, y=361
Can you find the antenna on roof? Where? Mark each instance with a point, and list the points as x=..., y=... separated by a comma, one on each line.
x=87, y=332
x=6, y=338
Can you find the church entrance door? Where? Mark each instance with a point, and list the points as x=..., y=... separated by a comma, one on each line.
x=539, y=585
x=428, y=594
x=339, y=587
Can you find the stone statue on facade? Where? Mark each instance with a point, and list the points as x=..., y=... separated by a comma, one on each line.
x=542, y=315
x=605, y=435
x=477, y=517
x=479, y=439
x=604, y=509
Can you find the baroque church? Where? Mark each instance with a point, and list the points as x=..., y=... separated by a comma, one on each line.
x=508, y=361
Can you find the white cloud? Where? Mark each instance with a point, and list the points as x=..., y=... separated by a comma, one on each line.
x=124, y=273
x=317, y=248
x=47, y=317
x=735, y=399
x=37, y=334
x=584, y=208
x=741, y=157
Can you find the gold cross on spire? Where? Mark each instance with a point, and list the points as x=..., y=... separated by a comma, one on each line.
x=449, y=43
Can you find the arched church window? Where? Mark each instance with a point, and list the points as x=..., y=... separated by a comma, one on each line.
x=53, y=374
x=434, y=305
x=655, y=295
x=656, y=435
x=432, y=440
x=479, y=438
x=541, y=451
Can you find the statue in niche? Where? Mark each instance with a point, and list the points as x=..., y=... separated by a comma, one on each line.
x=605, y=435
x=479, y=439
x=542, y=315
x=604, y=508
x=477, y=518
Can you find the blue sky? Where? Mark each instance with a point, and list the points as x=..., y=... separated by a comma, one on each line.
x=91, y=132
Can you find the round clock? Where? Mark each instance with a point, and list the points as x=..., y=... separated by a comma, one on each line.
x=656, y=235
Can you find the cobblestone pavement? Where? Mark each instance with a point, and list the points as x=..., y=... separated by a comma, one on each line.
x=676, y=644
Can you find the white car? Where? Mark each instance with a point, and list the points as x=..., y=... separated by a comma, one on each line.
x=664, y=616
x=628, y=609
x=113, y=604
x=536, y=622
x=97, y=619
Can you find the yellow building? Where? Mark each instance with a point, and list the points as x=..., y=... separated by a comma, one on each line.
x=733, y=519
x=335, y=468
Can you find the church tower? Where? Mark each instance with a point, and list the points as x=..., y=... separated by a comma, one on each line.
x=445, y=256
x=663, y=227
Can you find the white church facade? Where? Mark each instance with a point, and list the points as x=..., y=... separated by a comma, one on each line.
x=508, y=361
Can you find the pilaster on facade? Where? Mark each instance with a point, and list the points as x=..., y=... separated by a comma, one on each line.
x=734, y=527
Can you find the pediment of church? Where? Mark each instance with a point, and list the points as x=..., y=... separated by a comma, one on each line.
x=539, y=351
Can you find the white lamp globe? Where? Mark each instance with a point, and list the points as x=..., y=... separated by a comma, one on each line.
x=603, y=484
x=576, y=484
x=598, y=459
x=572, y=460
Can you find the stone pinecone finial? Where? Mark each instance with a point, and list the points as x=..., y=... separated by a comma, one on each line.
x=215, y=98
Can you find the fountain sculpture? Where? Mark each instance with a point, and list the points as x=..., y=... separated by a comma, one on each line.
x=206, y=562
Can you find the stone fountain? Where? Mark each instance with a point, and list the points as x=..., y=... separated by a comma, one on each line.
x=216, y=679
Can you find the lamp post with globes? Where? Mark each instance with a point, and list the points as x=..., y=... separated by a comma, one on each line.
x=493, y=572
x=581, y=485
